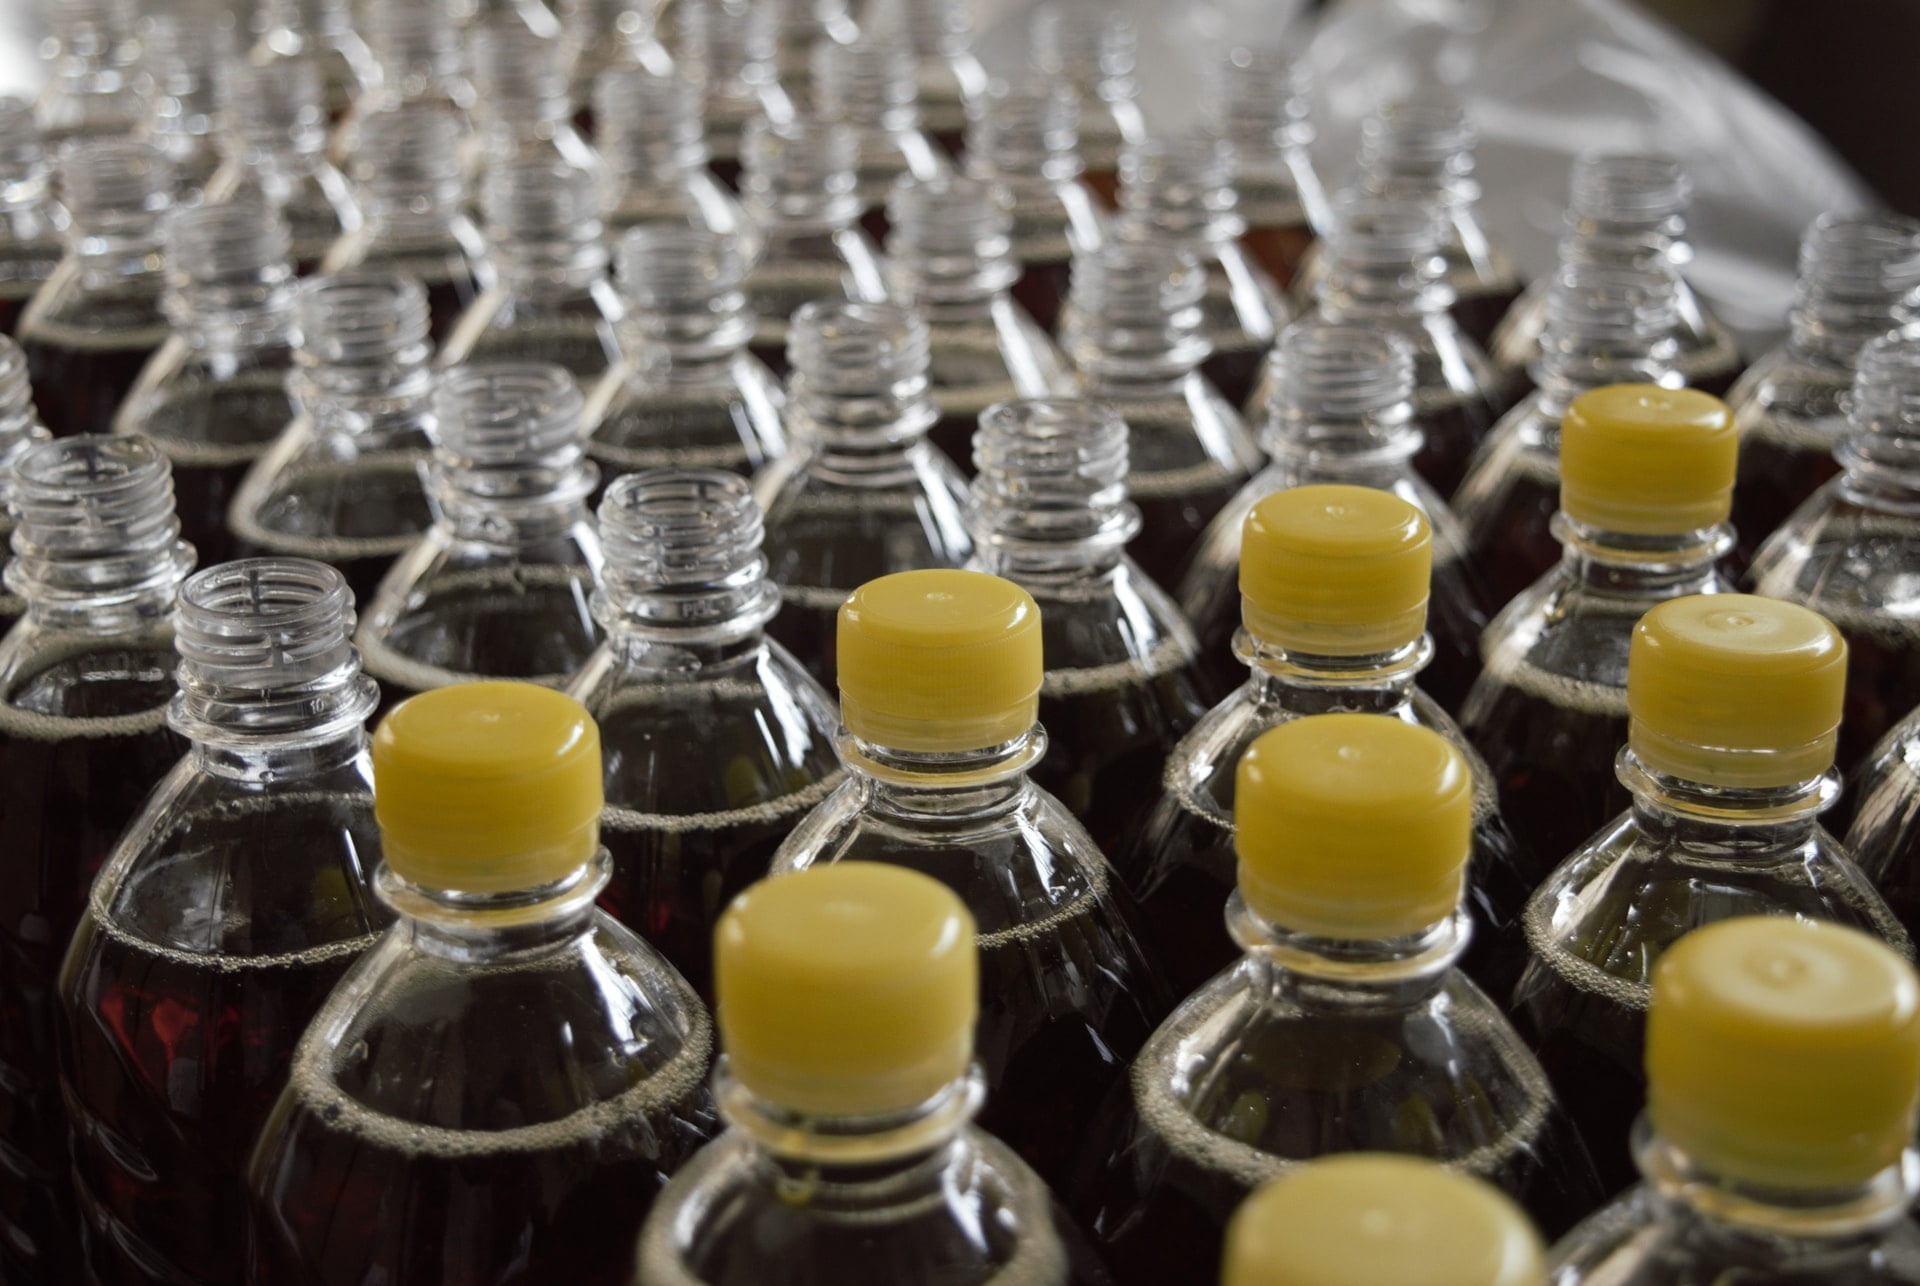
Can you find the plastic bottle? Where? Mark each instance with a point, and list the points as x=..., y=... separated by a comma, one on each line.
x=93, y=81
x=92, y=325
x=784, y=34
x=1092, y=48
x=952, y=79
x=939, y=688
x=714, y=46
x=650, y=140
x=1783, y=1061
x=502, y=1084
x=1605, y=325
x=1646, y=480
x=871, y=85
x=1134, y=331
x=717, y=741
x=275, y=129
x=215, y=395
x=1253, y=99
x=345, y=483
x=1346, y=1026
x=498, y=587
x=602, y=36
x=31, y=219
x=86, y=675
x=862, y=493
x=226, y=913
x=950, y=255
x=1734, y=702
x=422, y=63
x=184, y=61
x=523, y=107
x=20, y=428
x=319, y=33
x=848, y=996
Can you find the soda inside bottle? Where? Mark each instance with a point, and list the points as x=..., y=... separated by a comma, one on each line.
x=30, y=245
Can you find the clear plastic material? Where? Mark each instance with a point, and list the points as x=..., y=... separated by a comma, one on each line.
x=276, y=131
x=320, y=34
x=782, y=37
x=30, y=219
x=93, y=81
x=952, y=80
x=20, y=428
x=871, y=85
x=1092, y=49
x=422, y=65
x=861, y=493
x=602, y=36
x=714, y=45
x=86, y=676
x=228, y=910
x=1252, y=100
x=1884, y=838
x=656, y=156
x=522, y=101
x=185, y=59
x=499, y=585
x=716, y=741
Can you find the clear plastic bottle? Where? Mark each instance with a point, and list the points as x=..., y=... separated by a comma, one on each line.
x=346, y=482
x=499, y=585
x=656, y=156
x=1026, y=141
x=1342, y=413
x=1734, y=703
x=1135, y=333
x=1254, y=100
x=1376, y=1219
x=784, y=34
x=861, y=493
x=523, y=105
x=1050, y=513
x=1784, y=1067
x=716, y=740
x=939, y=689
x=215, y=395
x=950, y=256
x=86, y=675
x=1859, y=278
x=226, y=913
x=412, y=190
x=500, y=1087
x=797, y=186
x=31, y=220
x=871, y=85
x=686, y=392
x=1605, y=325
x=951, y=77
x=1631, y=210
x=1646, y=480
x=598, y=37
x=848, y=996
x=1346, y=1025
x=275, y=128
x=1182, y=192
x=20, y=428
x=1091, y=48
x=321, y=34
x=93, y=79
x=1335, y=585
x=184, y=62
x=714, y=46
x=423, y=70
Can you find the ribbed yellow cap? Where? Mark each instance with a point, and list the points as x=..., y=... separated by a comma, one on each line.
x=939, y=661
x=1335, y=571
x=848, y=989
x=1367, y=1219
x=1735, y=690
x=1784, y=1053
x=487, y=787
x=1646, y=460
x=1352, y=826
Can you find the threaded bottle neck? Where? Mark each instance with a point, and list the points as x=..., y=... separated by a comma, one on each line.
x=871, y=84
x=1385, y=257
x=1859, y=278
x=649, y=127
x=1051, y=492
x=682, y=288
x=1884, y=416
x=951, y=243
x=407, y=166
x=1606, y=324
x=229, y=279
x=520, y=78
x=1133, y=313
x=683, y=557
x=1179, y=187
x=415, y=42
x=1017, y=133
x=543, y=223
x=116, y=191
x=364, y=360
x=859, y=375
x=1091, y=45
x=91, y=30
x=936, y=28
x=26, y=171
x=509, y=436
x=714, y=46
x=1256, y=101
x=187, y=61
x=20, y=425
x=276, y=108
x=1341, y=388
x=1627, y=208
x=318, y=17
x=800, y=172
x=1420, y=145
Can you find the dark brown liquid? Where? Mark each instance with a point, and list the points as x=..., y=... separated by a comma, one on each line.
x=1279, y=250
x=1449, y=435
x=1883, y=687
x=241, y=416
x=1105, y=184
x=314, y=511
x=1235, y=371
x=447, y=299
x=1773, y=479
x=812, y=635
x=1515, y=546
x=1042, y=290
x=78, y=388
x=1457, y=614
x=1479, y=313
x=13, y=301
x=1170, y=526
x=953, y=436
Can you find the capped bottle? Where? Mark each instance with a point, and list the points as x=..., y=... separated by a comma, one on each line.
x=861, y=493
x=686, y=392
x=31, y=220
x=498, y=586
x=1646, y=481
x=950, y=253
x=1345, y=1026
x=412, y=190
x=523, y=106
x=225, y=914
x=1335, y=590
x=797, y=185
x=92, y=325
x=1605, y=325
x=184, y=60
x=1254, y=99
x=215, y=394
x=1050, y=513
x=423, y=70
x=1378, y=1219
x=1783, y=1069
x=1135, y=332
x=1025, y=140
x=848, y=1000
x=951, y=77
x=275, y=128
x=650, y=139
x=940, y=681
x=1092, y=49
x=1341, y=413
x=1181, y=191
x=86, y=675
x=320, y=34
x=1631, y=210
x=345, y=482
x=93, y=87
x=1734, y=703
x=1859, y=278
x=20, y=428
x=717, y=741
x=501, y=1085
x=871, y=85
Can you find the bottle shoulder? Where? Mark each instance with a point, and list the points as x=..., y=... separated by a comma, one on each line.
x=1849, y=559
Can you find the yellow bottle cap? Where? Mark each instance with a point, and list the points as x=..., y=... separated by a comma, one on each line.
x=1646, y=460
x=1366, y=1219
x=1352, y=826
x=939, y=661
x=848, y=989
x=487, y=787
x=1335, y=571
x=1735, y=690
x=1784, y=1053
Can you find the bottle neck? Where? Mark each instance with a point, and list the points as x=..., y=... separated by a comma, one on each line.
x=548, y=267
x=1830, y=330
x=850, y=1164
x=936, y=786
x=1357, y=289
x=863, y=431
x=1725, y=824
x=481, y=929
x=1302, y=683
x=367, y=401
x=1347, y=975
x=1564, y=371
x=233, y=318
x=1633, y=566
x=1118, y=352
x=517, y=504
x=1296, y=434
x=687, y=340
x=1051, y=546
x=1767, y=1216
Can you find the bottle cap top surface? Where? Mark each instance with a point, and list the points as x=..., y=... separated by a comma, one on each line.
x=1335, y=571
x=1646, y=460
